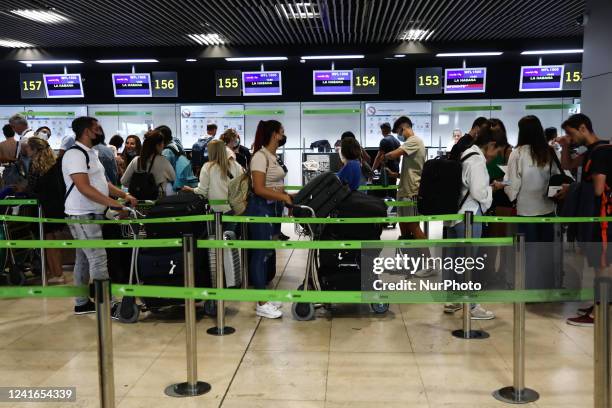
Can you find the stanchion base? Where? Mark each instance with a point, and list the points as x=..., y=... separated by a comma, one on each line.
x=216, y=331
x=472, y=335
x=186, y=390
x=510, y=396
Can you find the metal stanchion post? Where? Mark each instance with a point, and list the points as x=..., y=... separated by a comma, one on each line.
x=192, y=387
x=466, y=332
x=106, y=378
x=603, y=297
x=221, y=329
x=43, y=263
x=244, y=261
x=517, y=393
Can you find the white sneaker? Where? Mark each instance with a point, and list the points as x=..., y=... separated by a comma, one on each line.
x=480, y=313
x=277, y=305
x=425, y=273
x=268, y=311
x=450, y=308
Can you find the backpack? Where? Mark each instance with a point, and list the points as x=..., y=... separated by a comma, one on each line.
x=440, y=188
x=143, y=185
x=239, y=189
x=199, y=152
x=183, y=170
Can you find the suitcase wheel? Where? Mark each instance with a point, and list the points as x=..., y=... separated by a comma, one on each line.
x=129, y=311
x=379, y=308
x=303, y=311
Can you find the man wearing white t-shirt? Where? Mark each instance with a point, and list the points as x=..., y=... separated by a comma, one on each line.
x=87, y=197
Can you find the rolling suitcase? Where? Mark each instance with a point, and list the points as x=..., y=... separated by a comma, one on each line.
x=323, y=193
x=180, y=205
x=231, y=263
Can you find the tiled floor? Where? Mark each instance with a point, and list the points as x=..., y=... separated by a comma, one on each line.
x=345, y=358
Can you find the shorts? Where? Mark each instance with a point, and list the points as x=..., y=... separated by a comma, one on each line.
x=408, y=211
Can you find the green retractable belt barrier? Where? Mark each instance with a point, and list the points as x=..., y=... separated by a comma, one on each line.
x=252, y=295
x=101, y=243
x=361, y=188
x=540, y=220
x=371, y=220
x=18, y=201
x=189, y=218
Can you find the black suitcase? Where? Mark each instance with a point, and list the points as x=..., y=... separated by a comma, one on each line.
x=180, y=205
x=323, y=193
x=164, y=267
x=357, y=205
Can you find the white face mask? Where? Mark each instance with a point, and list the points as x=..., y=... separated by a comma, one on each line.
x=43, y=135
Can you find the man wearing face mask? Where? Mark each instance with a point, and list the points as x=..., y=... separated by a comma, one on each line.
x=87, y=197
x=243, y=155
x=107, y=158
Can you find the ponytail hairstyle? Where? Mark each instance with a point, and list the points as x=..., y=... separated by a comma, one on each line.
x=265, y=130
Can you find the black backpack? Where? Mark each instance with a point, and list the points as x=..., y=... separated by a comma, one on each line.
x=199, y=152
x=440, y=188
x=143, y=185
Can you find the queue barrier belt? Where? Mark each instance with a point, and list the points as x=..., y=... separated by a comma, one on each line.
x=252, y=244
x=253, y=295
x=368, y=220
x=188, y=218
x=361, y=188
x=17, y=201
x=539, y=220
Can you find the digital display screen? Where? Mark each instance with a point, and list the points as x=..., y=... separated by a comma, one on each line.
x=332, y=82
x=132, y=85
x=465, y=80
x=262, y=83
x=541, y=78
x=63, y=85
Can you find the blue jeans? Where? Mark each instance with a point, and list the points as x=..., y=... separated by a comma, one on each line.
x=262, y=260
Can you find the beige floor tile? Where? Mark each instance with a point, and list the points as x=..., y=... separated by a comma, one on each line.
x=541, y=337
x=66, y=333
x=582, y=336
x=214, y=368
x=561, y=380
x=462, y=378
x=493, y=404
x=236, y=342
x=366, y=404
x=241, y=403
x=288, y=335
x=369, y=334
x=81, y=402
x=82, y=372
x=166, y=402
x=375, y=377
x=281, y=376
x=435, y=336
x=15, y=327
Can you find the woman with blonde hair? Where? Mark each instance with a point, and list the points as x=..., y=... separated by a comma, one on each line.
x=216, y=175
x=43, y=184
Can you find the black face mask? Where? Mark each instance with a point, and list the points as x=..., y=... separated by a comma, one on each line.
x=98, y=139
x=282, y=141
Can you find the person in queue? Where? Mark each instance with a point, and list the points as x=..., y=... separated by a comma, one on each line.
x=243, y=155
x=19, y=123
x=215, y=177
x=477, y=193
x=199, y=148
x=530, y=167
x=171, y=149
x=151, y=160
x=116, y=143
x=267, y=200
x=412, y=152
x=88, y=194
x=230, y=137
x=468, y=139
x=8, y=148
x=43, y=132
x=108, y=160
x=39, y=186
x=132, y=149
x=388, y=143
x=350, y=173
x=595, y=162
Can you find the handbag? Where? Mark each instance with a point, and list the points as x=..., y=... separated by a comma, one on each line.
x=555, y=181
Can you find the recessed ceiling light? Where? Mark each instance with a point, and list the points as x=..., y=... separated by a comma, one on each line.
x=14, y=44
x=572, y=51
x=126, y=61
x=191, y=60
x=415, y=35
x=206, y=39
x=331, y=57
x=469, y=54
x=399, y=55
x=42, y=16
x=298, y=10
x=237, y=59
x=51, y=62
